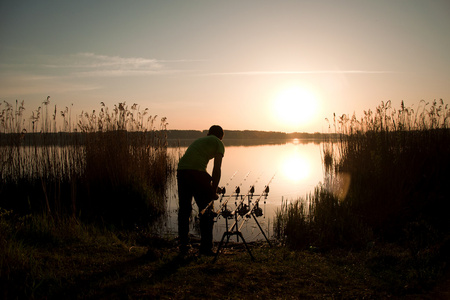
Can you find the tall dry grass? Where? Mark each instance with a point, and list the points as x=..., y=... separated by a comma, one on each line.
x=385, y=178
x=111, y=166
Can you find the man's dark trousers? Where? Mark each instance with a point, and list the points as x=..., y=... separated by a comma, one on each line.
x=197, y=184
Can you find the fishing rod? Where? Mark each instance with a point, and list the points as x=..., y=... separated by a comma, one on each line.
x=239, y=206
x=237, y=191
x=247, y=210
x=256, y=209
x=237, y=232
x=221, y=191
x=241, y=209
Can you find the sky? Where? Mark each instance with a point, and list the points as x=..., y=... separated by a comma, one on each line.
x=245, y=65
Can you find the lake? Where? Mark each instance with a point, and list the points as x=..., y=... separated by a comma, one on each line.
x=294, y=168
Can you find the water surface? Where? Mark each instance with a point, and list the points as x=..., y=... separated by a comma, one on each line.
x=294, y=169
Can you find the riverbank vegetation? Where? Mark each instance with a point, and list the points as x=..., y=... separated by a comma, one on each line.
x=104, y=173
x=386, y=181
x=75, y=215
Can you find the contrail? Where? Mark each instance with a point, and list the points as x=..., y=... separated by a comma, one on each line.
x=298, y=72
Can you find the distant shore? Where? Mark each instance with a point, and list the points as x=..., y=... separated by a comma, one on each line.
x=174, y=137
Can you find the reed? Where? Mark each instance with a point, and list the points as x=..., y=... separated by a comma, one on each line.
x=112, y=166
x=386, y=174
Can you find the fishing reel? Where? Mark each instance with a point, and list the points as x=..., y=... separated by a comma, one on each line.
x=243, y=210
x=257, y=211
x=210, y=214
x=226, y=213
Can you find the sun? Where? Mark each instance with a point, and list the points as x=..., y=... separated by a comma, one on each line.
x=294, y=107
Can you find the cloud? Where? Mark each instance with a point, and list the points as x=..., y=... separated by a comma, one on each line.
x=37, y=74
x=249, y=73
x=91, y=60
x=91, y=64
x=75, y=72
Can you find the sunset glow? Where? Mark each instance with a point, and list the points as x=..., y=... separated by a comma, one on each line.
x=246, y=65
x=294, y=107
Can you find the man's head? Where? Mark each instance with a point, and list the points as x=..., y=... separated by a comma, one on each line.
x=216, y=130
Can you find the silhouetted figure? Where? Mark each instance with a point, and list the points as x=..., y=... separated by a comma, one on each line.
x=194, y=181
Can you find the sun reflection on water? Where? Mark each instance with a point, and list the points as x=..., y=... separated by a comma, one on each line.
x=295, y=167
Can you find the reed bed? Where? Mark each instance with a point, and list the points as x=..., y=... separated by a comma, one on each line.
x=109, y=166
x=385, y=179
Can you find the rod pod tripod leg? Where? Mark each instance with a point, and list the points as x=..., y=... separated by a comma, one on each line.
x=262, y=231
x=228, y=234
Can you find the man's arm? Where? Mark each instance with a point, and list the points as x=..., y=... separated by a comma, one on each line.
x=216, y=173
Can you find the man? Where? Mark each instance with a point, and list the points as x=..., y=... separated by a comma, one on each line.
x=194, y=181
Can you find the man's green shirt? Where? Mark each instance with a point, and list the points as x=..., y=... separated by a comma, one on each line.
x=200, y=152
